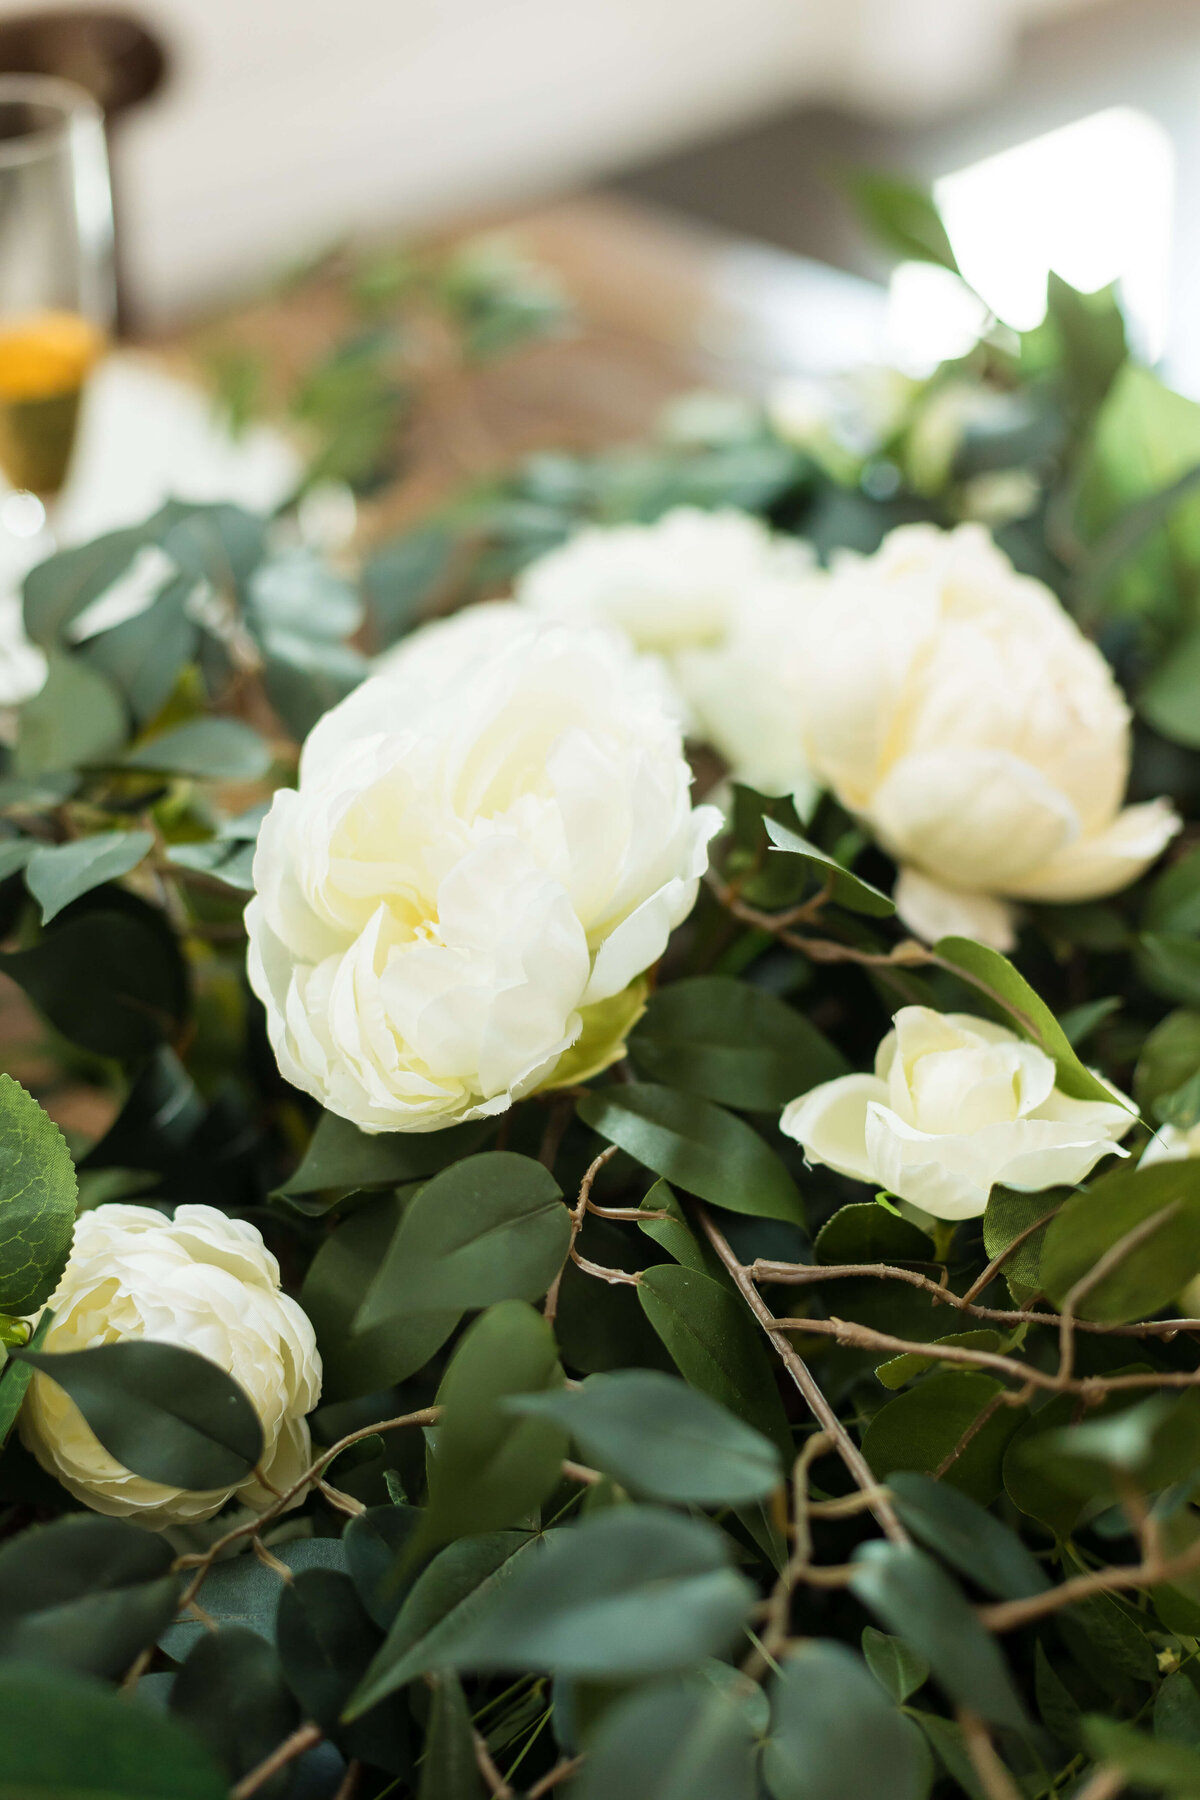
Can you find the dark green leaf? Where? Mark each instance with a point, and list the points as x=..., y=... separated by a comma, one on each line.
x=896, y=1666
x=84, y=1593
x=67, y=1738
x=144, y=655
x=716, y=1346
x=1091, y=333
x=37, y=1201
x=678, y=1741
x=326, y=1642
x=375, y=1541
x=1170, y=962
x=449, y=1770
x=400, y=577
x=1177, y=1710
x=732, y=1043
x=446, y=1599
x=661, y=1438
x=965, y=1535
x=898, y=1371
x=866, y=1232
x=1008, y=1214
x=1170, y=1057
x=631, y=1591
x=15, y=1378
x=166, y=1413
x=1089, y=1224
x=360, y=1362
x=917, y=1601
x=1173, y=903
x=695, y=1146
x=921, y=1428
x=111, y=978
x=212, y=749
x=1155, y=1763
x=834, y=1734
x=847, y=890
x=487, y=1472
x=341, y=1159
x=243, y=1591
x=1167, y=698
x=673, y=1234
x=903, y=217
x=232, y=1694
x=492, y=1227
x=1009, y=997
x=56, y=874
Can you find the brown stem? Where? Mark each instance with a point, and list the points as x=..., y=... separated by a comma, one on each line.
x=994, y=1778
x=1007, y=1615
x=550, y=1309
x=496, y=1784
x=302, y=1739
x=560, y=1772
x=797, y=1368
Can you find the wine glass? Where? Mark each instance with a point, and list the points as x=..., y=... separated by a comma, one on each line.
x=57, y=295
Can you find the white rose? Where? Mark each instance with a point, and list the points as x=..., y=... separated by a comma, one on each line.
x=483, y=856
x=207, y=1283
x=714, y=596
x=956, y=1105
x=955, y=707
x=1170, y=1144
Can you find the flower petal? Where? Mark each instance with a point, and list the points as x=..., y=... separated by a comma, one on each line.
x=829, y=1123
x=1104, y=864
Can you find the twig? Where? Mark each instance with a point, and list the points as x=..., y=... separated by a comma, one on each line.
x=1105, y=1784
x=550, y=1309
x=560, y=1772
x=1007, y=1615
x=496, y=1784
x=350, y=1780
x=614, y=1277
x=994, y=1778
x=797, y=1368
x=998, y=1262
x=302, y=1739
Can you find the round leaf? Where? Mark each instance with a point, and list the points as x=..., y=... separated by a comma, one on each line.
x=37, y=1201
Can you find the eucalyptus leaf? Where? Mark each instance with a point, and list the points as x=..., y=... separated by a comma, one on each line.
x=1089, y=1225
x=897, y=1667
x=923, y=1427
x=695, y=1146
x=211, y=749
x=967, y=1536
x=56, y=874
x=166, y=1413
x=685, y=1740
x=326, y=1642
x=232, y=1694
x=834, y=1733
x=84, y=1593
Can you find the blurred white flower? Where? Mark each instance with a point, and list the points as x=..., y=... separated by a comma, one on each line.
x=715, y=597
x=1171, y=1144
x=955, y=707
x=955, y=1106
x=490, y=844
x=205, y=1282
x=22, y=664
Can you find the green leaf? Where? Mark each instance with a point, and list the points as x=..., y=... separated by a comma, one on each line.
x=491, y=1227
x=341, y=1159
x=671, y=1741
x=327, y=1641
x=211, y=749
x=967, y=1536
x=1090, y=1224
x=1177, y=1710
x=76, y=717
x=896, y=1666
x=866, y=1232
x=84, y=1593
x=716, y=1346
x=111, y=978
x=1155, y=1763
x=486, y=1472
x=903, y=217
x=920, y=1428
x=244, y=1592
x=67, y=1738
x=627, y=1592
x=58, y=590
x=1173, y=903
x=400, y=577
x=37, y=1201
x=15, y=1378
x=847, y=890
x=441, y=1608
x=833, y=1733
x=1009, y=997
x=361, y=1362
x=1170, y=1057
x=375, y=1542
x=449, y=1770
x=673, y=1234
x=919, y=1602
x=1033, y=1478
x=1167, y=698
x=898, y=1371
x=144, y=655
x=166, y=1413
x=232, y=1694
x=56, y=874
x=1091, y=333
x=1007, y=1215
x=659, y=1437
x=1169, y=961
x=732, y=1043
x=696, y=1147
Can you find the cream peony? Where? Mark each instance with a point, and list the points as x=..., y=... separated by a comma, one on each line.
x=202, y=1281
x=956, y=1106
x=715, y=597
x=483, y=857
x=955, y=706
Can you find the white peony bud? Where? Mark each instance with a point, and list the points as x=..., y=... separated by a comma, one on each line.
x=956, y=1106
x=715, y=597
x=955, y=706
x=484, y=855
x=202, y=1281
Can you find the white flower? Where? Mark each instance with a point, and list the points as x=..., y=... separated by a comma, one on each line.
x=1171, y=1144
x=955, y=707
x=715, y=596
x=483, y=856
x=955, y=1106
x=22, y=664
x=202, y=1281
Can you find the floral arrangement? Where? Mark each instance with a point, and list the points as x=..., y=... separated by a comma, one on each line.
x=649, y=1232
